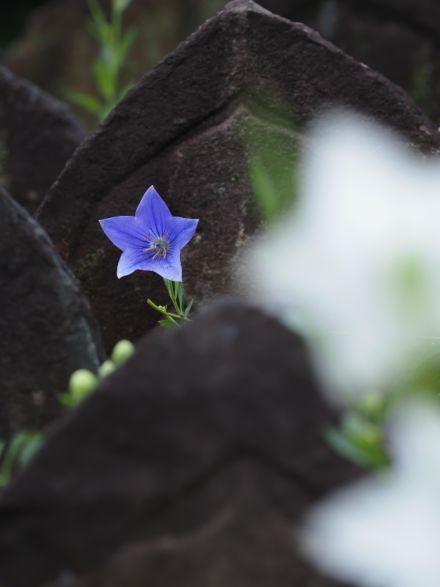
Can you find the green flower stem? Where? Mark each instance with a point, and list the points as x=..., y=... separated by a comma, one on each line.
x=163, y=310
x=176, y=292
x=181, y=312
x=114, y=46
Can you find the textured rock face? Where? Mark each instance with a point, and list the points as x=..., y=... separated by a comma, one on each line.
x=37, y=136
x=194, y=462
x=181, y=129
x=399, y=38
x=47, y=330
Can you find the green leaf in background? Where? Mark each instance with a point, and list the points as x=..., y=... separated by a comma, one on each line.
x=121, y=5
x=101, y=26
x=363, y=444
x=18, y=452
x=30, y=446
x=104, y=79
x=271, y=146
x=114, y=47
x=126, y=44
x=86, y=102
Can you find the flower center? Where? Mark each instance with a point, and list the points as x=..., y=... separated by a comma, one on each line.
x=159, y=247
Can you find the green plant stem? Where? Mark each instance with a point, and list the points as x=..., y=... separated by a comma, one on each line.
x=176, y=293
x=114, y=46
x=162, y=310
x=181, y=311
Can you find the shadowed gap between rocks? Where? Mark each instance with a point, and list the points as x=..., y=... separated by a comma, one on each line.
x=403, y=18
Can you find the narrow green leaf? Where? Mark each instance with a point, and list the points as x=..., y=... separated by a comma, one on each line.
x=121, y=5
x=341, y=445
x=125, y=44
x=168, y=323
x=104, y=80
x=89, y=103
x=30, y=448
x=99, y=20
x=188, y=308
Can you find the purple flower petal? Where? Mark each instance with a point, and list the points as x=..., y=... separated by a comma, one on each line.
x=124, y=232
x=137, y=259
x=181, y=231
x=131, y=260
x=171, y=267
x=151, y=240
x=152, y=212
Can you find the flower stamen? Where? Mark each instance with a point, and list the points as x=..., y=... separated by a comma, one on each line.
x=159, y=247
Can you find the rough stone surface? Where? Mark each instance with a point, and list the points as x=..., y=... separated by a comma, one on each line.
x=398, y=38
x=47, y=330
x=414, y=13
x=192, y=464
x=181, y=129
x=37, y=136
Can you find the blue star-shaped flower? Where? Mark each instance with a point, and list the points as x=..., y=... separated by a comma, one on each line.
x=152, y=239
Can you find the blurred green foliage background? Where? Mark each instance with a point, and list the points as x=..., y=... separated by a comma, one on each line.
x=57, y=44
x=49, y=43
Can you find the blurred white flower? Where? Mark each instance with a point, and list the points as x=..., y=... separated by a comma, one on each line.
x=356, y=266
x=385, y=532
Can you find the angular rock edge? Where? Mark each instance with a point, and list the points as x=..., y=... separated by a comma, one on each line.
x=47, y=327
x=199, y=83
x=232, y=387
x=39, y=134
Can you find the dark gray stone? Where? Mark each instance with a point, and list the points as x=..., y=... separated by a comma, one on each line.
x=47, y=330
x=415, y=14
x=38, y=134
x=192, y=464
x=181, y=128
x=398, y=38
